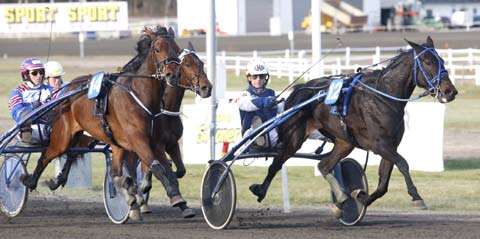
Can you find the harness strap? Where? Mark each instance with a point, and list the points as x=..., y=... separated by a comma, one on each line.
x=108, y=130
x=348, y=95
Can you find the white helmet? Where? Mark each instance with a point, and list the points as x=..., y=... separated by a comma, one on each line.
x=257, y=67
x=53, y=69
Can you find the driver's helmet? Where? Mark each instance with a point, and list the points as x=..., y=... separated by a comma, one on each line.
x=53, y=69
x=30, y=64
x=258, y=67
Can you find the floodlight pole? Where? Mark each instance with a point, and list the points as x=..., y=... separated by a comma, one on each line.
x=211, y=67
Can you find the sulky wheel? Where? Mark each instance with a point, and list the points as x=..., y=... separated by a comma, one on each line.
x=114, y=201
x=13, y=194
x=353, y=178
x=218, y=210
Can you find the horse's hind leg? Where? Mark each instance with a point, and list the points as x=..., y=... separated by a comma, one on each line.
x=294, y=143
x=340, y=150
x=83, y=141
x=59, y=143
x=62, y=177
x=126, y=184
x=384, y=173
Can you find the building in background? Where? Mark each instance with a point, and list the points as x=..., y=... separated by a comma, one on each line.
x=462, y=13
x=237, y=17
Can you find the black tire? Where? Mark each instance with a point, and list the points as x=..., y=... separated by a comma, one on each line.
x=115, y=203
x=219, y=210
x=13, y=194
x=353, y=178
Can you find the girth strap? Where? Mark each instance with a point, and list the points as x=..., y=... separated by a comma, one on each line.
x=107, y=129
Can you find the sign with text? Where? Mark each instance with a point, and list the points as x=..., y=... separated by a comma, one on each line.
x=63, y=17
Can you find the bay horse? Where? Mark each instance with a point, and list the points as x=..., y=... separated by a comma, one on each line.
x=134, y=99
x=168, y=127
x=373, y=120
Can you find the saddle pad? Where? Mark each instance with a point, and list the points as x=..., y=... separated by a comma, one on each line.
x=333, y=91
x=95, y=86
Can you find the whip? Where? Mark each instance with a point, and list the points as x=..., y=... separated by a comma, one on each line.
x=309, y=68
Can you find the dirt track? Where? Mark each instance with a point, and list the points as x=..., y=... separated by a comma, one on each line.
x=47, y=218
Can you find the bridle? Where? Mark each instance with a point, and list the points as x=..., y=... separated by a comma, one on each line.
x=191, y=86
x=162, y=64
x=435, y=81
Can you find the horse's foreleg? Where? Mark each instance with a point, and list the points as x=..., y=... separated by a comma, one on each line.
x=162, y=170
x=176, y=156
x=392, y=155
x=384, y=173
x=417, y=201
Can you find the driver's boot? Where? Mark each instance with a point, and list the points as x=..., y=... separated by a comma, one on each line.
x=26, y=134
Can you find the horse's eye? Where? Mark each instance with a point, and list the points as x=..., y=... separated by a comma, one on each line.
x=428, y=62
x=157, y=50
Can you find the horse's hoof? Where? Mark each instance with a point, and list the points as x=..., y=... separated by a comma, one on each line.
x=176, y=201
x=180, y=173
x=256, y=190
x=359, y=195
x=135, y=215
x=26, y=179
x=52, y=184
x=188, y=213
x=337, y=212
x=144, y=209
x=419, y=204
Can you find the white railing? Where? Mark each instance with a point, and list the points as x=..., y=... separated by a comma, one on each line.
x=462, y=64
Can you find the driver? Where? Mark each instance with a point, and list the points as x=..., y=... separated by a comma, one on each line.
x=28, y=96
x=257, y=104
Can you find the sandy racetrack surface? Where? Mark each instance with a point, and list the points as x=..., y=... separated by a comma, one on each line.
x=52, y=218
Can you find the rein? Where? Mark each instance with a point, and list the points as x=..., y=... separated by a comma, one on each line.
x=433, y=82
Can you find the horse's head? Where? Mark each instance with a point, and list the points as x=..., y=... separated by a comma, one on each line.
x=164, y=52
x=429, y=71
x=193, y=76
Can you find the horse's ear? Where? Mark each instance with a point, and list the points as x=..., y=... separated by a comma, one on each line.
x=171, y=32
x=190, y=46
x=414, y=45
x=430, y=42
x=149, y=33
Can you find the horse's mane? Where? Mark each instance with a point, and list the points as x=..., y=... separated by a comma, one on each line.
x=304, y=91
x=143, y=47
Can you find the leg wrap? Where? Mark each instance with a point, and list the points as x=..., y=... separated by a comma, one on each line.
x=337, y=190
x=167, y=178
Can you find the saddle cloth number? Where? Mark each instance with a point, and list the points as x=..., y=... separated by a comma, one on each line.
x=334, y=91
x=95, y=85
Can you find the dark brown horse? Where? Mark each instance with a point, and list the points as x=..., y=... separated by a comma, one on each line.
x=194, y=78
x=133, y=101
x=371, y=121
